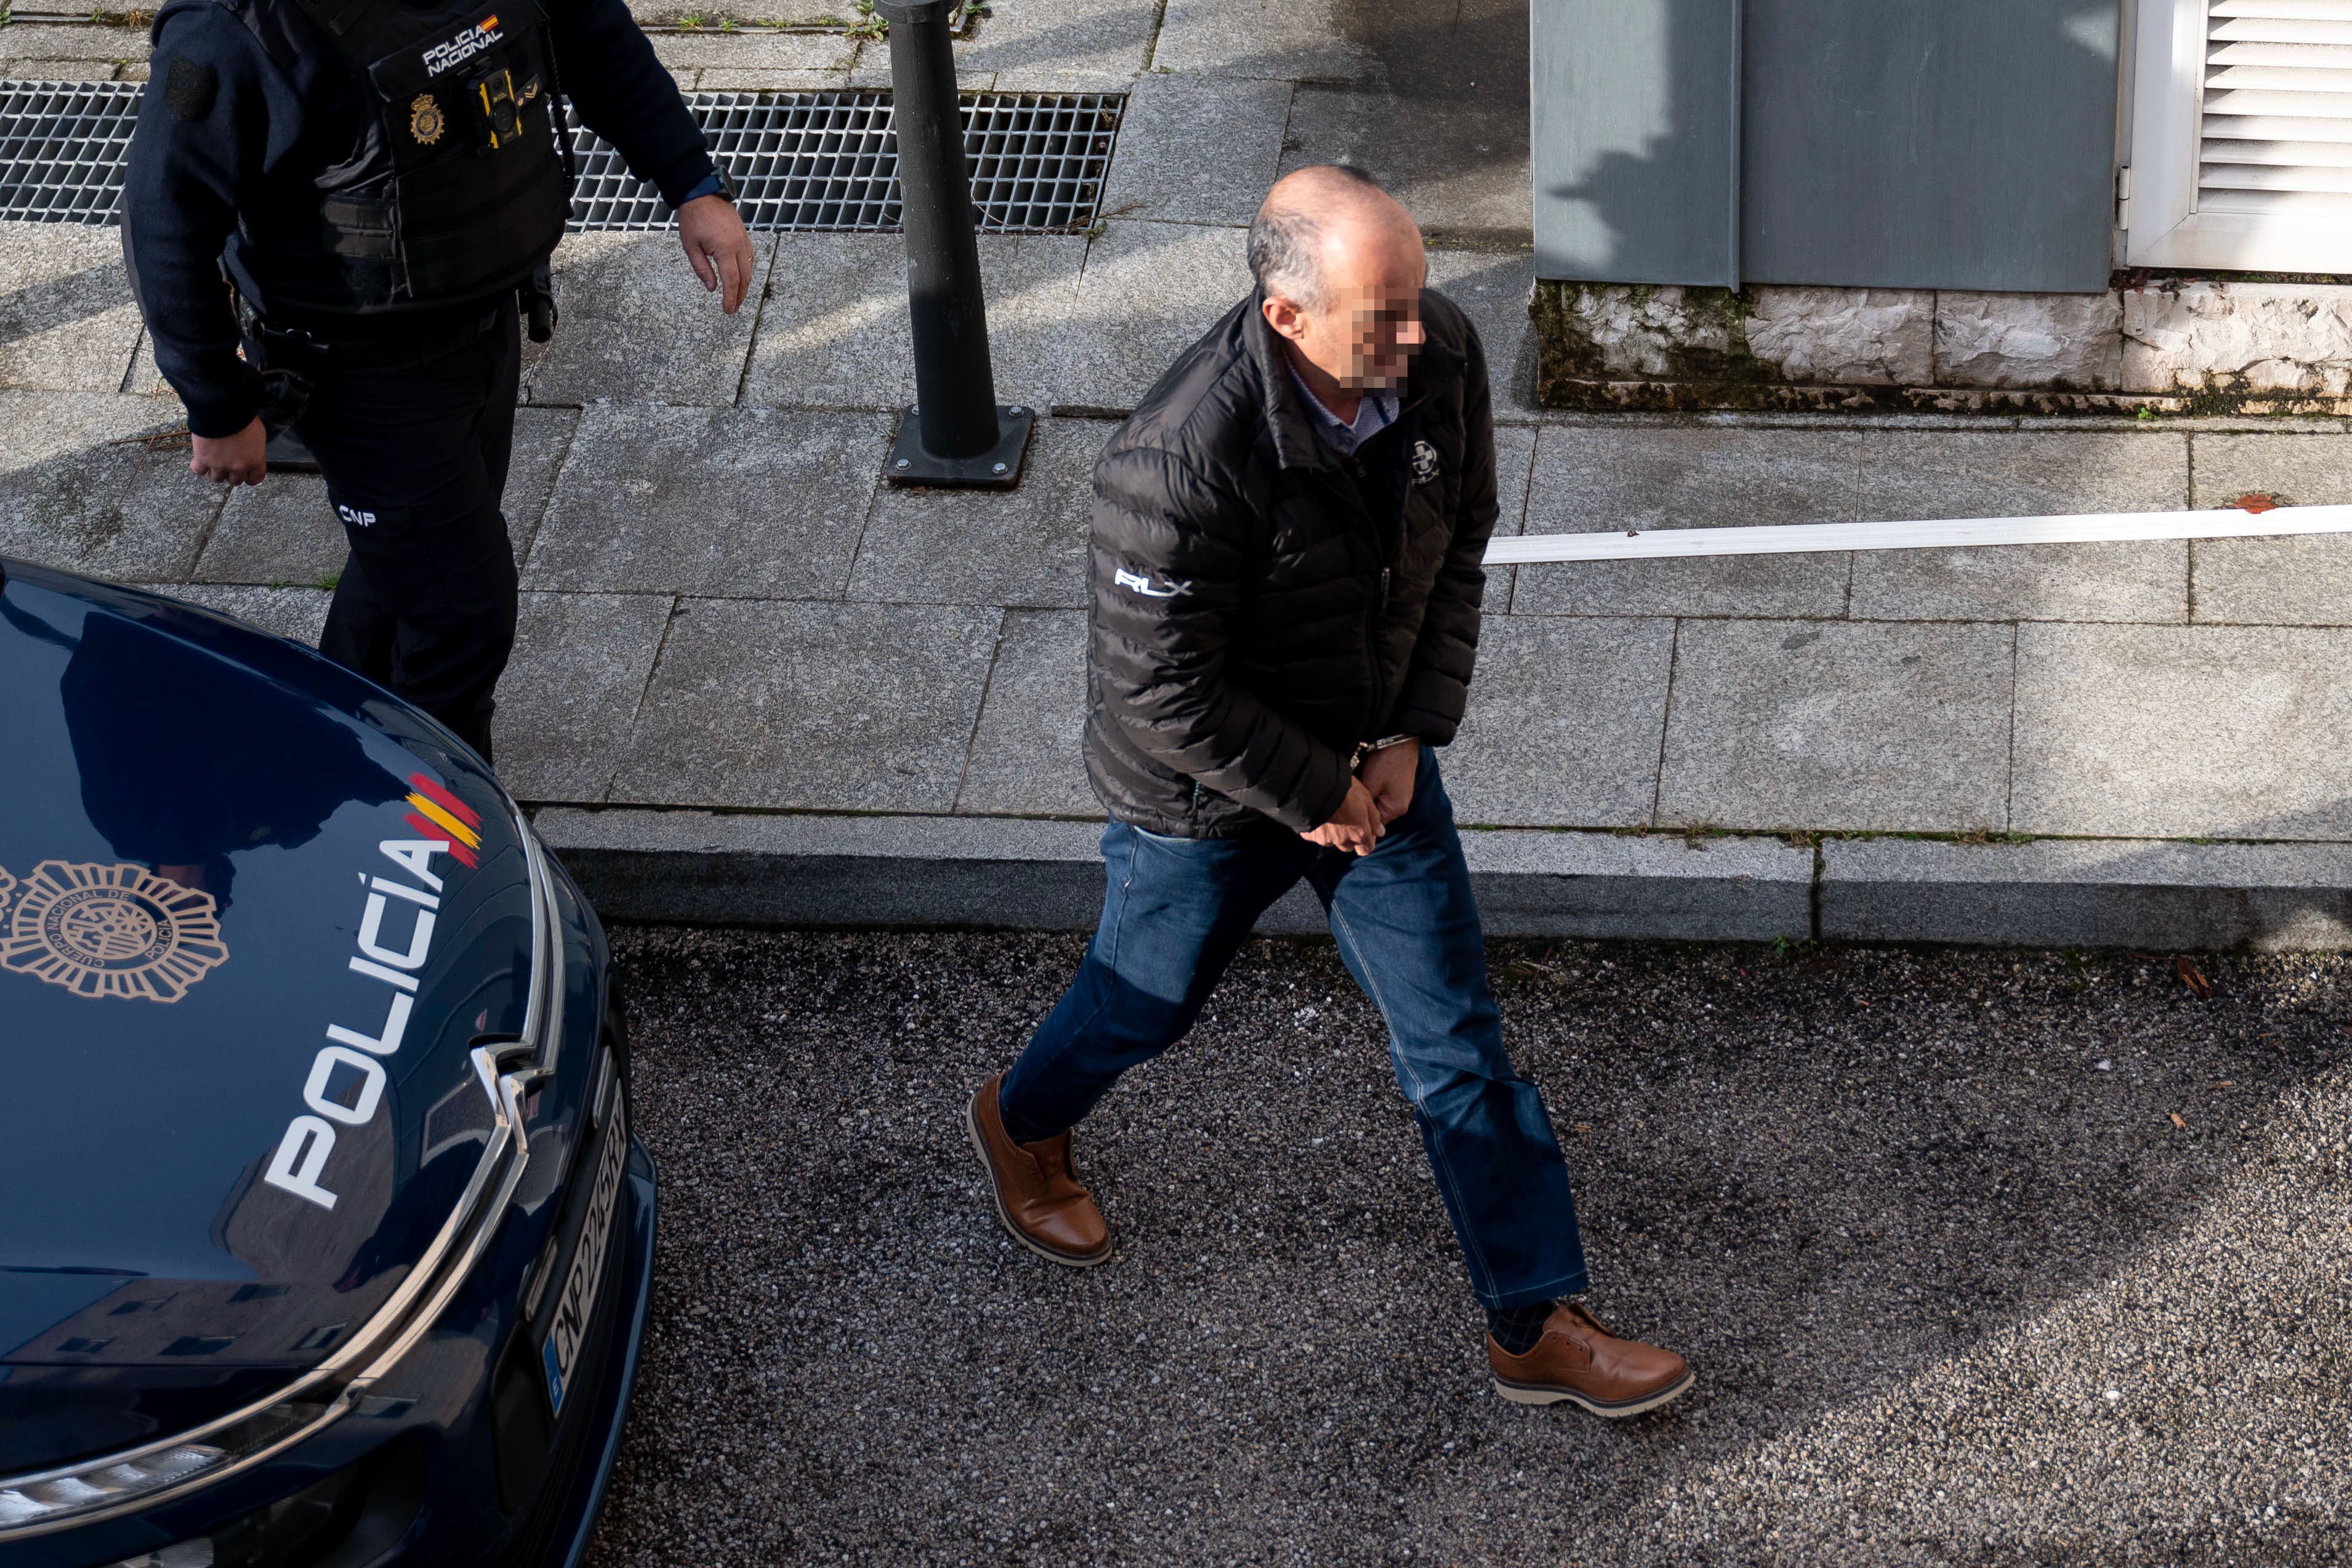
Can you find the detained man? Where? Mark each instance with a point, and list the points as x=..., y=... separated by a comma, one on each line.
x=1285, y=576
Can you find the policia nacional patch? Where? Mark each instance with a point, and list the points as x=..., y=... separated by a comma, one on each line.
x=189, y=89
x=425, y=122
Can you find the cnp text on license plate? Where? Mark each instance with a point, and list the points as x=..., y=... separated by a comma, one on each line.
x=568, y=1324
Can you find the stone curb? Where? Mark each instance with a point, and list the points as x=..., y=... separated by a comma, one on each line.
x=1023, y=873
x=2068, y=893
x=1031, y=874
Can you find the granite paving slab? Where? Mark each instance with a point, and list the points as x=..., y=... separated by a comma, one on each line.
x=1061, y=45
x=750, y=501
x=1024, y=547
x=36, y=42
x=1596, y=477
x=1515, y=461
x=99, y=483
x=1885, y=727
x=76, y=71
x=2183, y=732
x=637, y=324
x=566, y=702
x=710, y=13
x=1998, y=474
x=543, y=439
x=1027, y=753
x=720, y=78
x=756, y=51
x=300, y=614
x=835, y=334
x=66, y=319
x=1564, y=724
x=285, y=530
x=1150, y=292
x=1493, y=287
x=1285, y=40
x=1458, y=161
x=843, y=707
x=144, y=379
x=1199, y=150
x=2277, y=582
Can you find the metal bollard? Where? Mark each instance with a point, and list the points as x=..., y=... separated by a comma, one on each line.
x=956, y=434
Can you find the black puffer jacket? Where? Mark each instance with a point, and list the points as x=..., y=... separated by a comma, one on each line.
x=1261, y=604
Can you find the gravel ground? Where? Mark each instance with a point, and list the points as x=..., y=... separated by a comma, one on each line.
x=1957, y=1286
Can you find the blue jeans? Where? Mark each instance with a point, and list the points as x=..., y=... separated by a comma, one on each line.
x=1177, y=910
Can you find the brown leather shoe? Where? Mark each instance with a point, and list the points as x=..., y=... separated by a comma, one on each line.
x=1579, y=1361
x=1037, y=1195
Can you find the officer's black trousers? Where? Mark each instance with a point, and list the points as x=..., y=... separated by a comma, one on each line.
x=415, y=460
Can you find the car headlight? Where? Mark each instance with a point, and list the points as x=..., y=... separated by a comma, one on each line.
x=120, y=1482
x=352, y=1514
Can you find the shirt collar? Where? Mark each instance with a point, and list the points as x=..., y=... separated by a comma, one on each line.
x=1374, y=414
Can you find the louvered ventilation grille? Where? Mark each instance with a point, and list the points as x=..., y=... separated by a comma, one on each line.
x=2277, y=114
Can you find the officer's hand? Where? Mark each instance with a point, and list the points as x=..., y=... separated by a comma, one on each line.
x=1388, y=773
x=1355, y=826
x=239, y=459
x=712, y=233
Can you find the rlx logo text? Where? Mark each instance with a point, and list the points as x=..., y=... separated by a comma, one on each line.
x=301, y=1158
x=462, y=47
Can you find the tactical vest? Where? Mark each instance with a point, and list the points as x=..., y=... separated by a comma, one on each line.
x=457, y=188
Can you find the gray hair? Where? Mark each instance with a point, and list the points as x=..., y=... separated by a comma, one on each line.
x=1286, y=243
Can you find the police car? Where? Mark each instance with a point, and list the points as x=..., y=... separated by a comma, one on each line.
x=323, y=1237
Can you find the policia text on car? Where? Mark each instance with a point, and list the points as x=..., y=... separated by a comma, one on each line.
x=354, y=191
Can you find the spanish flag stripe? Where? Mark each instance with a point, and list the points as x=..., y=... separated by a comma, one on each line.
x=457, y=852
x=433, y=790
x=451, y=825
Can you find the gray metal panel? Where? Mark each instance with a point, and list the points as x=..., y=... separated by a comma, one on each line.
x=1636, y=139
x=1929, y=143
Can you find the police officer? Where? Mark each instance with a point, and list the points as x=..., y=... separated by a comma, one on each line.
x=362, y=195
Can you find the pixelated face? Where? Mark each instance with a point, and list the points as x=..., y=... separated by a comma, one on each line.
x=1375, y=332
x=1366, y=330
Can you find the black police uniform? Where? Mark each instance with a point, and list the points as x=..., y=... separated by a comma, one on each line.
x=354, y=191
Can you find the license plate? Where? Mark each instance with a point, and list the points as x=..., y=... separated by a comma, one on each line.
x=568, y=1323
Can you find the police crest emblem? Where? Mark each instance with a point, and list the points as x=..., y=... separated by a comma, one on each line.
x=425, y=122
x=111, y=931
x=1425, y=462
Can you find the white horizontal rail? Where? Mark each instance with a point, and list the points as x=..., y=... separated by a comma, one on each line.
x=1942, y=533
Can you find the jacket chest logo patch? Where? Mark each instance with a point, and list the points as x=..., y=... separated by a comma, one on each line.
x=111, y=931
x=1140, y=583
x=425, y=122
x=1424, y=463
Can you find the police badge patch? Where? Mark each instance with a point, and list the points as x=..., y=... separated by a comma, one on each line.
x=425, y=120
x=1425, y=462
x=112, y=931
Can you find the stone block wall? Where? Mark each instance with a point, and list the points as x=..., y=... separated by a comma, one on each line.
x=2175, y=345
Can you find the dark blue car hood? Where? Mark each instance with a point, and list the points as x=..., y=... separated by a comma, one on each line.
x=195, y=821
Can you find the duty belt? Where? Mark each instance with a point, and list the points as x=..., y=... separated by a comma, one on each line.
x=292, y=361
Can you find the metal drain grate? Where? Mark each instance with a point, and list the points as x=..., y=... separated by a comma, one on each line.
x=61, y=148
x=799, y=160
x=830, y=161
